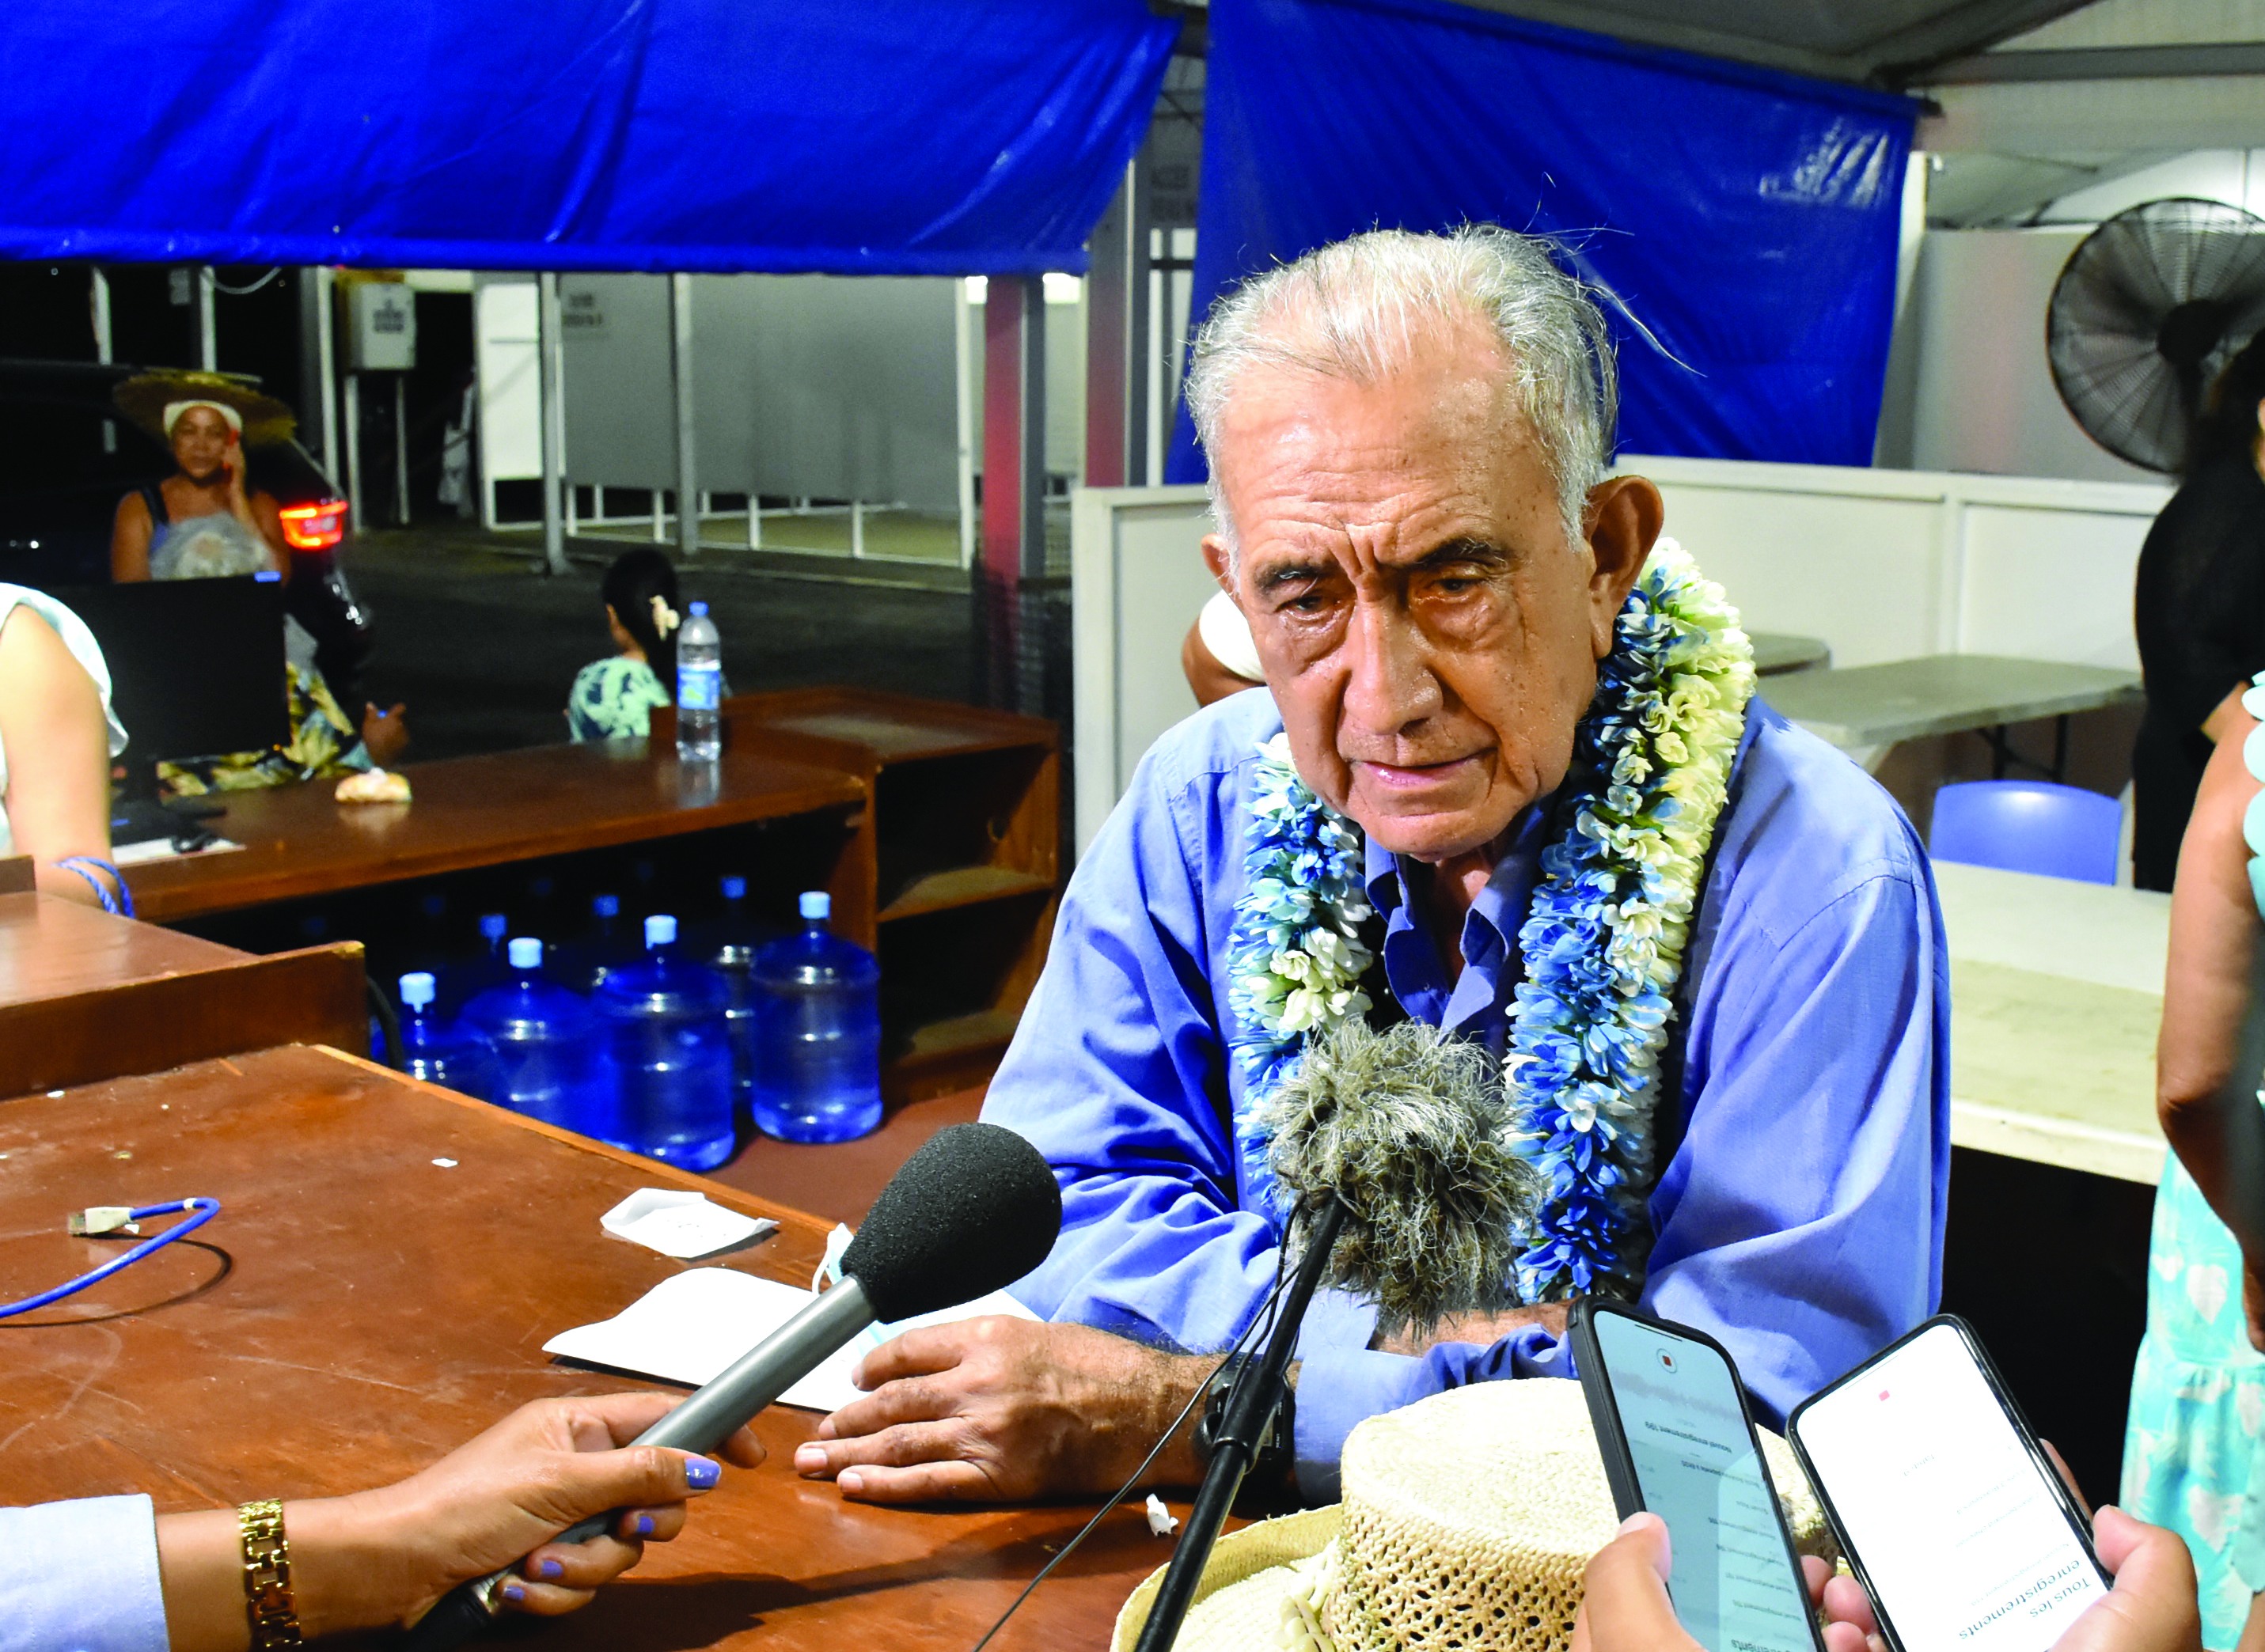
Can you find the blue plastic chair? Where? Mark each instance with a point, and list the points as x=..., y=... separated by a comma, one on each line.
x=2028, y=825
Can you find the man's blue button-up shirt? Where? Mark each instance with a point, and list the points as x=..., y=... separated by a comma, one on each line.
x=1804, y=1144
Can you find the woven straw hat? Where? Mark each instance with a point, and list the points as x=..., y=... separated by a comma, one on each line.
x=144, y=397
x=1469, y=1520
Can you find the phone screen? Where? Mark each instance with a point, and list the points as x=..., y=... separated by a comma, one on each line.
x=1734, y=1579
x=1963, y=1541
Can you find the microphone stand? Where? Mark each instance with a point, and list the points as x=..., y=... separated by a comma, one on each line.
x=1252, y=1406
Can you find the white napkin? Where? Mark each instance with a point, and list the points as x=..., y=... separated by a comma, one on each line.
x=688, y=1328
x=681, y=1224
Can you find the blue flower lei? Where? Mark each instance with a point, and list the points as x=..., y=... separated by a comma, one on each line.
x=1602, y=945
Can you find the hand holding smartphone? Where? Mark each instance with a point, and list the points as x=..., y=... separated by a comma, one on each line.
x=1672, y=1422
x=1950, y=1513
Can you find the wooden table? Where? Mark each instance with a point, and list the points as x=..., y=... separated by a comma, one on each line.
x=357, y=1309
x=1865, y=709
x=2056, y=995
x=85, y=995
x=475, y=812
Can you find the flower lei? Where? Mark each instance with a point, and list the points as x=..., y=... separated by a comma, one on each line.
x=1601, y=947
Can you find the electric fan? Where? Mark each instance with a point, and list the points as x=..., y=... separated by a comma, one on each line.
x=2147, y=309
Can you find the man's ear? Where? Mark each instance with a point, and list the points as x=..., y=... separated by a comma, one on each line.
x=1214, y=550
x=1622, y=523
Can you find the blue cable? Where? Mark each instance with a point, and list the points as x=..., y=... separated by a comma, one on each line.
x=202, y=1211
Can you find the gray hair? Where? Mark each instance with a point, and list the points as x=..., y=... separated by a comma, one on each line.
x=1354, y=309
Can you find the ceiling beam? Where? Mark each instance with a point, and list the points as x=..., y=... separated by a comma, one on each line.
x=2102, y=63
x=1904, y=57
x=1675, y=35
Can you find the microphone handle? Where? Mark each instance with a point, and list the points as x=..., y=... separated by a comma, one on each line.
x=715, y=1410
x=1250, y=1411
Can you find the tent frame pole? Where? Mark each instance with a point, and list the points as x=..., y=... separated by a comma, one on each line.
x=551, y=356
x=679, y=377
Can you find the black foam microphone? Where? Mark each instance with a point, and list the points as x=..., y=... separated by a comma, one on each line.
x=971, y=1212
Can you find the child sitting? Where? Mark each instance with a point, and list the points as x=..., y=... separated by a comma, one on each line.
x=613, y=699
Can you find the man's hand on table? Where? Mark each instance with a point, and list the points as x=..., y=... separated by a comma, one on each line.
x=999, y=1410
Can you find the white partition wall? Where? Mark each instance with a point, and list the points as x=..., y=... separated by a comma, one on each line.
x=1880, y=564
x=508, y=338
x=1137, y=579
x=1889, y=565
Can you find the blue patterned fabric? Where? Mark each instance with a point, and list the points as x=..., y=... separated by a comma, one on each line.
x=613, y=700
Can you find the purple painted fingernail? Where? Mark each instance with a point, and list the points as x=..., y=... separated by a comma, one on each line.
x=514, y=1593
x=644, y=1525
x=552, y=1569
x=702, y=1474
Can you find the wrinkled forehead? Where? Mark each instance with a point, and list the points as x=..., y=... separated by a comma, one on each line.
x=1437, y=445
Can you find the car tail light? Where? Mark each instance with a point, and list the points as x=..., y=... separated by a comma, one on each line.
x=317, y=526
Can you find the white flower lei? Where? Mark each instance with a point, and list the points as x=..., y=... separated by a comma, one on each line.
x=1601, y=947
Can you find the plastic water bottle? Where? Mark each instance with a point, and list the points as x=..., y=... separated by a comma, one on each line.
x=438, y=1051
x=818, y=1033
x=669, y=1048
x=546, y=1047
x=699, y=688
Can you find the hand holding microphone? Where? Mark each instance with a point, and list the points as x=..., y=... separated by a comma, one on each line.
x=974, y=1210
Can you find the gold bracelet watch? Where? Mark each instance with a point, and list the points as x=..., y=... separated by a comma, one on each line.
x=267, y=1576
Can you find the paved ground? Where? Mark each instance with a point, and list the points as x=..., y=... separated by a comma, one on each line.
x=896, y=534
x=481, y=646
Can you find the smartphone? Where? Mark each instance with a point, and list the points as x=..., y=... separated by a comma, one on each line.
x=1672, y=1421
x=1949, y=1511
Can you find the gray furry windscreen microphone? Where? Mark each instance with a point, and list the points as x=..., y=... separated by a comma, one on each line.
x=1409, y=1129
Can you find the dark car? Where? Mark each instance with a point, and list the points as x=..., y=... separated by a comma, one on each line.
x=67, y=455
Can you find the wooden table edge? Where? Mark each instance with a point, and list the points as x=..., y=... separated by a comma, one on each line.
x=2067, y=1144
x=165, y=901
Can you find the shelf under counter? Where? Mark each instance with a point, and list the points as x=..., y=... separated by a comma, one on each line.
x=963, y=886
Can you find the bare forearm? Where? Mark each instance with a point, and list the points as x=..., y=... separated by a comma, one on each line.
x=1180, y=1378
x=2209, y=1107
x=2221, y=1143
x=345, y=1575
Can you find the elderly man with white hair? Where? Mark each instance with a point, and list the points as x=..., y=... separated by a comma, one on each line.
x=1508, y=780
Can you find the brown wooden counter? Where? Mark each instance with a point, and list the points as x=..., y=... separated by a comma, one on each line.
x=473, y=811
x=86, y=995
x=355, y=1310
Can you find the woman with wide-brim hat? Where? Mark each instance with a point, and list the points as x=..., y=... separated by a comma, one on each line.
x=204, y=522
x=202, y=515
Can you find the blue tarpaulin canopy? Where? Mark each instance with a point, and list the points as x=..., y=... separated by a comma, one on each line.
x=1749, y=219
x=854, y=136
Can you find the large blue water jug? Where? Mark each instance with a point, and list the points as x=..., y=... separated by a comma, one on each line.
x=441, y=1051
x=546, y=1047
x=818, y=1033
x=728, y=945
x=604, y=946
x=669, y=1047
x=474, y=973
